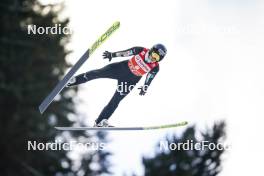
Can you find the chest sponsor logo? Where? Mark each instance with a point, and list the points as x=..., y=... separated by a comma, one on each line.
x=142, y=64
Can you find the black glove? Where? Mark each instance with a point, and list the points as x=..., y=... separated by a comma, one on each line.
x=143, y=91
x=107, y=55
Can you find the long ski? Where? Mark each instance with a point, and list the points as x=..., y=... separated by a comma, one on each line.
x=123, y=128
x=58, y=88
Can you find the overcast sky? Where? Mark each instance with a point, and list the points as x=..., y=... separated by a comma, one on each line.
x=213, y=70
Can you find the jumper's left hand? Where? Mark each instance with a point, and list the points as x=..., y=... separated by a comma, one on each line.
x=107, y=55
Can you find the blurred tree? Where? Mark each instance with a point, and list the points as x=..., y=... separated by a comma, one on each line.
x=174, y=162
x=30, y=66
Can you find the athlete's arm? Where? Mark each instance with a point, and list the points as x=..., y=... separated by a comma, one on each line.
x=149, y=78
x=129, y=52
x=125, y=53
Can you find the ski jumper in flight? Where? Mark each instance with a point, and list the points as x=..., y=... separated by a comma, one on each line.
x=127, y=73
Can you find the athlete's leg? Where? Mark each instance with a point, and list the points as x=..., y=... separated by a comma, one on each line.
x=114, y=102
x=112, y=71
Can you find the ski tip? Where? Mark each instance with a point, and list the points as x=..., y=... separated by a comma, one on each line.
x=117, y=23
x=184, y=123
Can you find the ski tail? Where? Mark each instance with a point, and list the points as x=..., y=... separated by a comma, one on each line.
x=58, y=88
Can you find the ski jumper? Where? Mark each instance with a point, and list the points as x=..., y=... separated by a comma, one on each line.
x=127, y=72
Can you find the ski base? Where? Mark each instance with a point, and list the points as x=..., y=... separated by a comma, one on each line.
x=60, y=85
x=122, y=128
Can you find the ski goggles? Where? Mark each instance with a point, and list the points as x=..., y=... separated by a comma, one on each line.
x=155, y=56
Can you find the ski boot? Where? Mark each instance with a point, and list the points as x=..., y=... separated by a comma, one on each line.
x=103, y=123
x=71, y=82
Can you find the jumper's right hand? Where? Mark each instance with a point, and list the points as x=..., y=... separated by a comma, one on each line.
x=107, y=55
x=143, y=91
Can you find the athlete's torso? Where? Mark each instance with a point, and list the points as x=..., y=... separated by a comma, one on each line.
x=137, y=64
